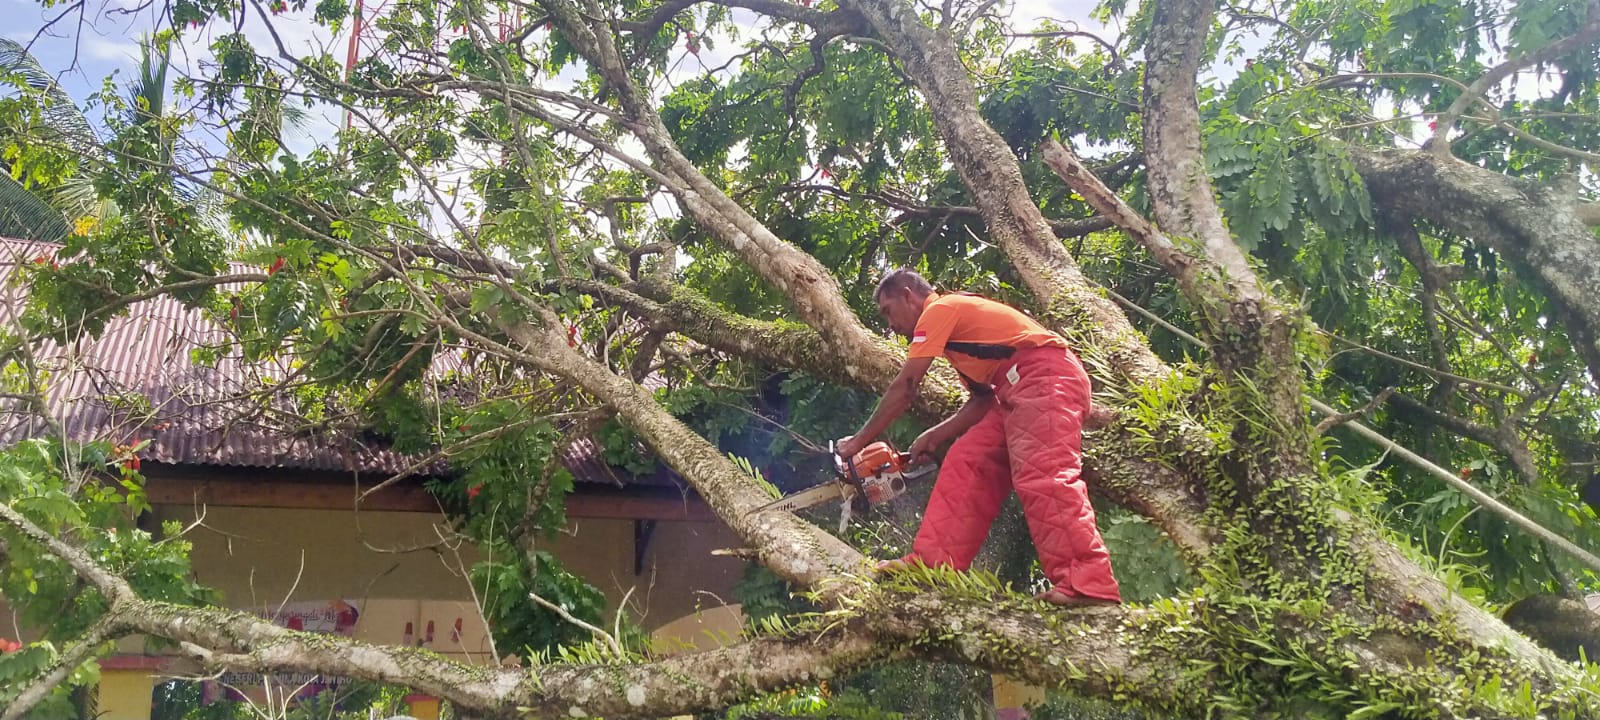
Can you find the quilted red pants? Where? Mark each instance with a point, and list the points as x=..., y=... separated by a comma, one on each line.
x=1031, y=442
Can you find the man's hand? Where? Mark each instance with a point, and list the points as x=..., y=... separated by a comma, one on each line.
x=923, y=448
x=847, y=447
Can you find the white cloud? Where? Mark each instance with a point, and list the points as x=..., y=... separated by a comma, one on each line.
x=113, y=50
x=1026, y=14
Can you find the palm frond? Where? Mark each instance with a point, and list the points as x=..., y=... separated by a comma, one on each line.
x=147, y=94
x=76, y=197
x=62, y=116
x=26, y=216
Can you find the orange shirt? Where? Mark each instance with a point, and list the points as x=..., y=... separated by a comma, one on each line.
x=975, y=334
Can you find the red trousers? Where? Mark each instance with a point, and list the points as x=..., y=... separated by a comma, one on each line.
x=1030, y=441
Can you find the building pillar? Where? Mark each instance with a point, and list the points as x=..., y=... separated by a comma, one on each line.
x=1012, y=698
x=423, y=707
x=125, y=693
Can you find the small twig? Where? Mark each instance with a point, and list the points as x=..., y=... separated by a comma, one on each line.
x=616, y=624
x=1345, y=417
x=616, y=647
x=1487, y=384
x=1116, y=58
x=1587, y=33
x=298, y=575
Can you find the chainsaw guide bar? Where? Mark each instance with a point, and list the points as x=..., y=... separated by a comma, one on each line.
x=874, y=476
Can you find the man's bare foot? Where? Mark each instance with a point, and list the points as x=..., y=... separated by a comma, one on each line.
x=893, y=566
x=1059, y=598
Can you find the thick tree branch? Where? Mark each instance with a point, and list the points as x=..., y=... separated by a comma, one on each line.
x=1180, y=189
x=109, y=585
x=1534, y=226
x=1089, y=652
x=797, y=551
x=1504, y=438
x=1411, y=248
x=1180, y=265
x=812, y=289
x=1250, y=334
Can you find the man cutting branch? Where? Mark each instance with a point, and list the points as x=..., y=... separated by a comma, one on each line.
x=1021, y=428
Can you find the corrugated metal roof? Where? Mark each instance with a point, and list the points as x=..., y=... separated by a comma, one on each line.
x=139, y=381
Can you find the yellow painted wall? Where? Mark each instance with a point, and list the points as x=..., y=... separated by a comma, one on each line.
x=703, y=630
x=254, y=556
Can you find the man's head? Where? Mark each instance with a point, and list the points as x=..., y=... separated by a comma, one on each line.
x=900, y=296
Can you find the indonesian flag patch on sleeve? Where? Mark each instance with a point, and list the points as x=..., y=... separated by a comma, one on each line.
x=919, y=336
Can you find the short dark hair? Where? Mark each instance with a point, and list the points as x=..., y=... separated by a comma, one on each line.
x=902, y=279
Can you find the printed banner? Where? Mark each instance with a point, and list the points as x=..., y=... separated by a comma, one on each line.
x=338, y=617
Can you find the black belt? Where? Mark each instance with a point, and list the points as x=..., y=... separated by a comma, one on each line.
x=982, y=351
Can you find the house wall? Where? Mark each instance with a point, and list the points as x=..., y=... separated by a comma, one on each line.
x=262, y=556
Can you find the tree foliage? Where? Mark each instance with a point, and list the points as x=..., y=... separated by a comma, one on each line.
x=660, y=224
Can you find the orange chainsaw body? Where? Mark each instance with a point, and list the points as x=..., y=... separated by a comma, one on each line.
x=878, y=471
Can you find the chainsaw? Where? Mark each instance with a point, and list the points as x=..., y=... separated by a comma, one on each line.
x=876, y=475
